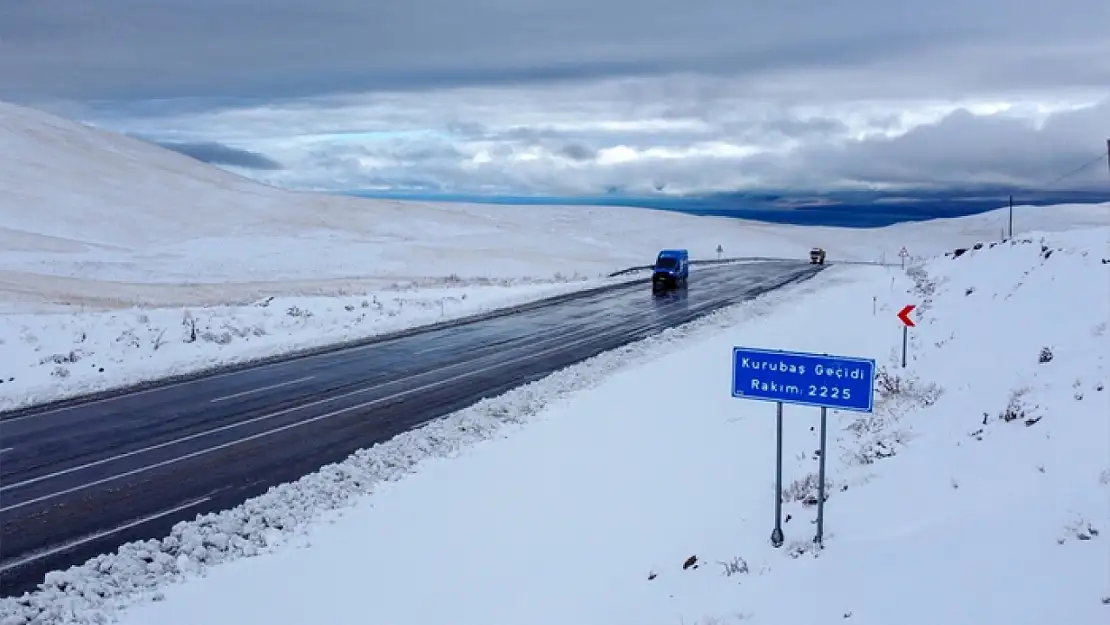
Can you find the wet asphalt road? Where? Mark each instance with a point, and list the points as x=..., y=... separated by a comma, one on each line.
x=82, y=479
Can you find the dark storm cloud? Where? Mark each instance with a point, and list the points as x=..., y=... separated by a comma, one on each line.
x=140, y=49
x=220, y=154
x=577, y=152
x=962, y=149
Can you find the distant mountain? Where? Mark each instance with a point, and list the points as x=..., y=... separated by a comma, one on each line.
x=852, y=209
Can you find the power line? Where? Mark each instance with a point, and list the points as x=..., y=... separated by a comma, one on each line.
x=1101, y=156
x=1098, y=159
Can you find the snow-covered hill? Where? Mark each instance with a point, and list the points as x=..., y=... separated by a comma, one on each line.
x=978, y=491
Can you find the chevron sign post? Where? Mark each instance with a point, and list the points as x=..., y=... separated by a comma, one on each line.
x=907, y=323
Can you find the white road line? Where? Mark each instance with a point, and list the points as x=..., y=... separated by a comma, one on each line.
x=245, y=439
x=260, y=389
x=512, y=343
x=75, y=543
x=87, y=404
x=6, y=450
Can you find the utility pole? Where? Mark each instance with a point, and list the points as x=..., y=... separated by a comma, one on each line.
x=1011, y=216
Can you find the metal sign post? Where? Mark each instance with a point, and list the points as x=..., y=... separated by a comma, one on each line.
x=907, y=323
x=776, y=534
x=819, y=380
x=821, y=482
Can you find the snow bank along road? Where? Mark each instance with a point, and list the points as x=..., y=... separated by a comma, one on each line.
x=81, y=479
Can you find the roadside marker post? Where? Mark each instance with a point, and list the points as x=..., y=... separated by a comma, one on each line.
x=816, y=380
x=907, y=323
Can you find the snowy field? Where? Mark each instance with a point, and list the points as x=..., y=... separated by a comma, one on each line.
x=113, y=251
x=978, y=491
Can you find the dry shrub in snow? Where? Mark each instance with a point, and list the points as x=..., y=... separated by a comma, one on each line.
x=924, y=287
x=1015, y=408
x=1079, y=529
x=878, y=434
x=735, y=566
x=1019, y=409
x=805, y=490
x=62, y=359
x=898, y=393
x=1045, y=356
x=799, y=548
x=878, y=442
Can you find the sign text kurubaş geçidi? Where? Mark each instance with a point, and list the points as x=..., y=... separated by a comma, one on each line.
x=816, y=380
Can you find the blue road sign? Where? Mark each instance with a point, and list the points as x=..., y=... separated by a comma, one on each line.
x=821, y=380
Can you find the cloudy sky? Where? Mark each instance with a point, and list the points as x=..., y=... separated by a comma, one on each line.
x=584, y=96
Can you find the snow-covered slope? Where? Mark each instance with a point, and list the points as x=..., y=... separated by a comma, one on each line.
x=67, y=180
x=978, y=491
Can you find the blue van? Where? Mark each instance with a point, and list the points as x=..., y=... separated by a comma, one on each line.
x=671, y=270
